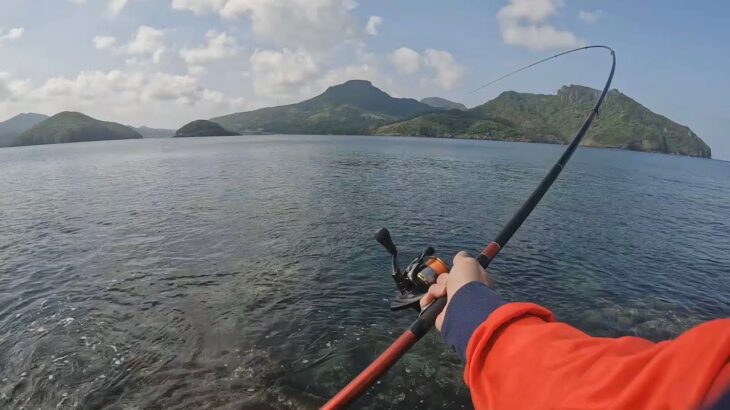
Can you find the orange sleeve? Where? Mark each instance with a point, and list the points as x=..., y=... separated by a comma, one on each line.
x=520, y=358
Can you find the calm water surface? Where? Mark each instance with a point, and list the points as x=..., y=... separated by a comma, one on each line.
x=240, y=272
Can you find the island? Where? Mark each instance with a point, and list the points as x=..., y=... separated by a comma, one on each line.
x=622, y=123
x=357, y=107
x=203, y=128
x=353, y=108
x=70, y=126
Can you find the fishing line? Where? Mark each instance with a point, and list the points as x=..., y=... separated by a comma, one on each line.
x=505, y=235
x=536, y=63
x=414, y=281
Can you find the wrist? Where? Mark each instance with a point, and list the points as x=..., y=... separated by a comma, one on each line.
x=468, y=307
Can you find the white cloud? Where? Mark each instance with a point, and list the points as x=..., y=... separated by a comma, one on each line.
x=147, y=41
x=310, y=24
x=406, y=60
x=115, y=6
x=104, y=42
x=122, y=86
x=196, y=70
x=199, y=6
x=219, y=46
x=12, y=34
x=287, y=76
x=540, y=38
x=133, y=96
x=589, y=17
x=12, y=90
x=282, y=73
x=373, y=23
x=524, y=23
x=448, y=72
x=362, y=71
x=536, y=11
x=5, y=92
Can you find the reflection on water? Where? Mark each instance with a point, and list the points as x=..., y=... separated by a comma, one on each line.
x=240, y=272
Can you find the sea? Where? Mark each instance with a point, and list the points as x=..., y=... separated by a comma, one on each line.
x=241, y=272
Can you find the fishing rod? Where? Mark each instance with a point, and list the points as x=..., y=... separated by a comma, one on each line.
x=421, y=273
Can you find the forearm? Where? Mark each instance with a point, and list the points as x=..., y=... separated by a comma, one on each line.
x=519, y=357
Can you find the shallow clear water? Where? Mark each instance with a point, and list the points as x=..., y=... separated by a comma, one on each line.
x=240, y=272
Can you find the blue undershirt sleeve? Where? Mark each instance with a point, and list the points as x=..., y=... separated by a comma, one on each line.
x=468, y=308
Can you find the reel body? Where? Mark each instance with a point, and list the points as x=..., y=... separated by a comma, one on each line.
x=414, y=281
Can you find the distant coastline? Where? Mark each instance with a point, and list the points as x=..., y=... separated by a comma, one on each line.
x=356, y=107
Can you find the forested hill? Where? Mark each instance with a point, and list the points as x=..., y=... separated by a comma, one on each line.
x=512, y=116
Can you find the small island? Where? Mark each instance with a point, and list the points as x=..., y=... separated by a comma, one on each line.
x=203, y=128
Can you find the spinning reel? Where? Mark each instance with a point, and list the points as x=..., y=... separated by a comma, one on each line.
x=414, y=281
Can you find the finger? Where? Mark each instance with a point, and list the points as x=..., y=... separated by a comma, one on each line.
x=460, y=256
x=426, y=300
x=442, y=278
x=434, y=292
x=437, y=290
x=440, y=320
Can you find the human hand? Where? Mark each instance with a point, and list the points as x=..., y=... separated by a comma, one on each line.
x=465, y=269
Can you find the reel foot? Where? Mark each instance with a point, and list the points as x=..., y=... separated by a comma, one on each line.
x=402, y=301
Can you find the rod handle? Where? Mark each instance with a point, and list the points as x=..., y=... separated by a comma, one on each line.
x=427, y=318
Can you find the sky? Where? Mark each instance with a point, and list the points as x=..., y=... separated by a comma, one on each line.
x=163, y=63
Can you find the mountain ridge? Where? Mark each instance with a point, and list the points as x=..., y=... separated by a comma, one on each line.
x=554, y=118
x=69, y=126
x=438, y=102
x=354, y=107
x=14, y=126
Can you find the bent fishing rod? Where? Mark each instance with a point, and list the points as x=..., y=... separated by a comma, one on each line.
x=421, y=273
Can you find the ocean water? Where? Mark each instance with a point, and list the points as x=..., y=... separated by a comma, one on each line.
x=240, y=272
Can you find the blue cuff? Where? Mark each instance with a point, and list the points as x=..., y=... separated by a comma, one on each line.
x=468, y=308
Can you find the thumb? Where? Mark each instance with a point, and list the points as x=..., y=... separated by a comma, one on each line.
x=440, y=320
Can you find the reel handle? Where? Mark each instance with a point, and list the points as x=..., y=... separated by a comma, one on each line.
x=383, y=238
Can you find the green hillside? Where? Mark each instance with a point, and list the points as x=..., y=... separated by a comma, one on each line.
x=512, y=116
x=355, y=107
x=11, y=128
x=74, y=127
x=438, y=102
x=203, y=128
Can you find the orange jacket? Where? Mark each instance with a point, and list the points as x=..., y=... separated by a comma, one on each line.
x=518, y=357
x=521, y=358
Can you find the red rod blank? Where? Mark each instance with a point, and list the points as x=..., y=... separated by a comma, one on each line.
x=376, y=369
